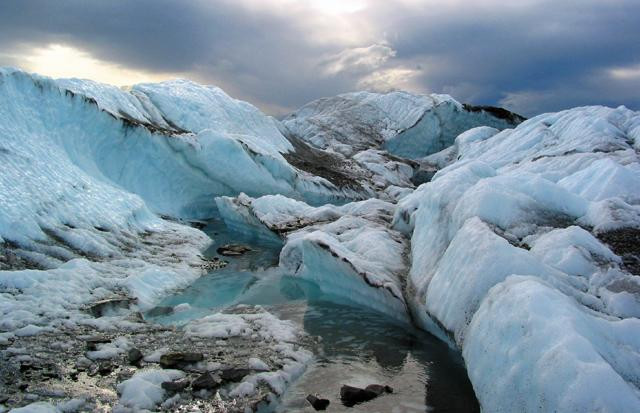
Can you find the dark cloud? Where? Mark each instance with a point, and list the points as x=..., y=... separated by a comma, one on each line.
x=532, y=55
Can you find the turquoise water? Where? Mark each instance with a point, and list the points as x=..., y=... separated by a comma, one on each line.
x=357, y=346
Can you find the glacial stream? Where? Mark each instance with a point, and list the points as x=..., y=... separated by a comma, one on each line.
x=357, y=346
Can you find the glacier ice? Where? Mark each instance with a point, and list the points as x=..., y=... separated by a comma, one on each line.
x=143, y=390
x=348, y=251
x=407, y=125
x=85, y=169
x=510, y=259
x=508, y=265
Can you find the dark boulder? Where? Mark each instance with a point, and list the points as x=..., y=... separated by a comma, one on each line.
x=92, y=342
x=379, y=389
x=134, y=356
x=351, y=396
x=175, y=386
x=110, y=306
x=179, y=360
x=234, y=374
x=105, y=368
x=159, y=311
x=206, y=381
x=318, y=403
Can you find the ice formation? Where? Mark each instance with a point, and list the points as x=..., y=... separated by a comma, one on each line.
x=407, y=125
x=349, y=251
x=143, y=391
x=85, y=169
x=521, y=249
x=507, y=263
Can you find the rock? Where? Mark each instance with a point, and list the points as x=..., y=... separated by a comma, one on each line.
x=175, y=386
x=51, y=374
x=92, y=370
x=110, y=306
x=206, y=381
x=83, y=363
x=28, y=365
x=214, y=263
x=351, y=396
x=423, y=175
x=105, y=368
x=232, y=250
x=135, y=317
x=159, y=311
x=179, y=360
x=134, y=356
x=234, y=374
x=317, y=403
x=198, y=224
x=379, y=389
x=92, y=342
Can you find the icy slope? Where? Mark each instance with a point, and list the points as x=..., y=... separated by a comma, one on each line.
x=348, y=251
x=72, y=152
x=176, y=144
x=408, y=125
x=508, y=260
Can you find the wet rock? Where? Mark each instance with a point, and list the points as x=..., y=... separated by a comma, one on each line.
x=318, y=403
x=175, y=386
x=179, y=360
x=159, y=311
x=379, y=389
x=351, y=396
x=109, y=306
x=92, y=342
x=232, y=250
x=134, y=356
x=206, y=381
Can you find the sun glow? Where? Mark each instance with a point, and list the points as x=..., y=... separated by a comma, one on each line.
x=59, y=61
x=338, y=6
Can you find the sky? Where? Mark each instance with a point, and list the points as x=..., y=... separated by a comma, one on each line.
x=529, y=56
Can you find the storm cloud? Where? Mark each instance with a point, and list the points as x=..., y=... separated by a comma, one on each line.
x=531, y=56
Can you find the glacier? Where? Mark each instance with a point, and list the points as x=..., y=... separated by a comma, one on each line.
x=508, y=262
x=407, y=125
x=349, y=251
x=510, y=239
